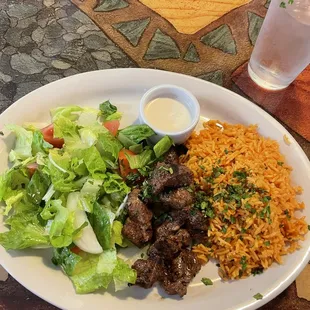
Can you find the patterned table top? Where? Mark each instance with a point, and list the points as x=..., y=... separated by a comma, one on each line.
x=44, y=40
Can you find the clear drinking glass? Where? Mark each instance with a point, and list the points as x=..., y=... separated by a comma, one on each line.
x=282, y=50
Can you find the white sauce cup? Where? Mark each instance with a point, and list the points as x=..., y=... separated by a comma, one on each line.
x=177, y=93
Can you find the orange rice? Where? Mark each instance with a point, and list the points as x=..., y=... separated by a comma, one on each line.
x=251, y=242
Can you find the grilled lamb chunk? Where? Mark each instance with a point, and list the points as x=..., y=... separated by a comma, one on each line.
x=164, y=248
x=137, y=210
x=148, y=272
x=183, y=269
x=169, y=176
x=166, y=229
x=171, y=157
x=197, y=221
x=182, y=238
x=139, y=234
x=170, y=243
x=177, y=199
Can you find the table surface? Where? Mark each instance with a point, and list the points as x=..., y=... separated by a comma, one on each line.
x=44, y=40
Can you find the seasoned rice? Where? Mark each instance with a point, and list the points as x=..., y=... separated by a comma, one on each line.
x=250, y=231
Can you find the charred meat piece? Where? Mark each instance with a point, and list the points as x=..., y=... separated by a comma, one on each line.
x=169, y=176
x=197, y=221
x=138, y=226
x=148, y=272
x=164, y=248
x=171, y=157
x=182, y=238
x=181, y=216
x=137, y=210
x=183, y=269
x=168, y=246
x=177, y=199
x=199, y=236
x=166, y=229
x=139, y=234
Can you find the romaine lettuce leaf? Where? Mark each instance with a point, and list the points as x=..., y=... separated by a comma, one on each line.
x=70, y=112
x=102, y=221
x=115, y=184
x=107, y=110
x=137, y=133
x=39, y=145
x=89, y=193
x=94, y=163
x=37, y=187
x=122, y=275
x=60, y=171
x=25, y=231
x=140, y=160
x=117, y=237
x=109, y=147
x=23, y=143
x=66, y=259
x=90, y=272
x=162, y=146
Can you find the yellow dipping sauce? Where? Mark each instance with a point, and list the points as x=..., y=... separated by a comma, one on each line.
x=167, y=114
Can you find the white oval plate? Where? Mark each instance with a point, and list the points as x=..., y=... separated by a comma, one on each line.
x=125, y=87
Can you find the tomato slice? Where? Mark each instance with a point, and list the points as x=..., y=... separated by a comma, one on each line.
x=32, y=168
x=112, y=126
x=124, y=166
x=48, y=136
x=75, y=250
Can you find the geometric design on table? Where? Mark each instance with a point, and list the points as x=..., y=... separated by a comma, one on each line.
x=290, y=105
x=222, y=45
x=255, y=24
x=215, y=77
x=110, y=5
x=162, y=47
x=189, y=16
x=132, y=30
x=191, y=54
x=222, y=39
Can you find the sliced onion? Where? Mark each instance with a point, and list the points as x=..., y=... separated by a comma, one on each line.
x=87, y=241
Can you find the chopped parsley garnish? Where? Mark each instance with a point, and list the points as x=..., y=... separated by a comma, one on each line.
x=243, y=263
x=224, y=229
x=243, y=230
x=202, y=167
x=132, y=177
x=240, y=174
x=280, y=163
x=226, y=151
x=266, y=199
x=170, y=170
x=286, y=212
x=258, y=296
x=146, y=190
x=308, y=227
x=267, y=243
x=232, y=219
x=283, y=5
x=247, y=206
x=206, y=281
x=256, y=271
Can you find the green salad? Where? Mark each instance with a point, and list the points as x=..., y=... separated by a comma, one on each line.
x=65, y=190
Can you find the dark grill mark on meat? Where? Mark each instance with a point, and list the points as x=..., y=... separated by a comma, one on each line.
x=182, y=270
x=148, y=272
x=137, y=210
x=177, y=199
x=166, y=229
x=138, y=225
x=171, y=157
x=139, y=234
x=162, y=178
